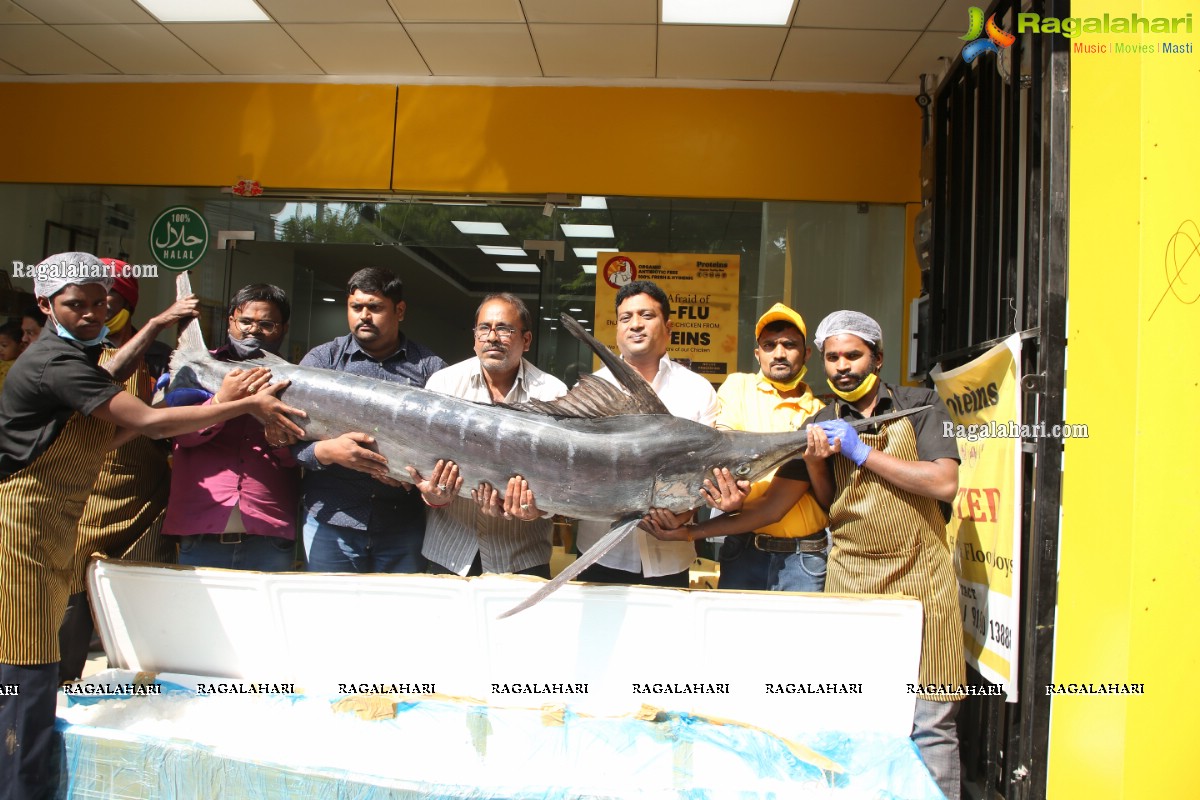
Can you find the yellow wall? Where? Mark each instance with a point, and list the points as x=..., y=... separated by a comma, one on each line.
x=763, y=145
x=1130, y=546
x=735, y=143
x=317, y=136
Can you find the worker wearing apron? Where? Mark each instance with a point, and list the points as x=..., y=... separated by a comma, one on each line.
x=59, y=414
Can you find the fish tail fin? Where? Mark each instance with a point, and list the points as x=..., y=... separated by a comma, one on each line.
x=191, y=340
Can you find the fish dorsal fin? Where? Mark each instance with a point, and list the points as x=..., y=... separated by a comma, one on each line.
x=595, y=397
x=645, y=400
x=592, y=397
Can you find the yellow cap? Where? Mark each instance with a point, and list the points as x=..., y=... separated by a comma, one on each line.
x=779, y=312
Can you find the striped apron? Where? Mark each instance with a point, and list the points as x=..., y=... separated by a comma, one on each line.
x=40, y=507
x=887, y=541
x=125, y=511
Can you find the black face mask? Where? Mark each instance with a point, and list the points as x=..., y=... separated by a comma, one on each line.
x=249, y=346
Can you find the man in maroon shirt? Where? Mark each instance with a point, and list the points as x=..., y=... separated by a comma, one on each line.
x=235, y=486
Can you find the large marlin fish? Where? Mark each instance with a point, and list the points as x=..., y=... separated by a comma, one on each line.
x=597, y=453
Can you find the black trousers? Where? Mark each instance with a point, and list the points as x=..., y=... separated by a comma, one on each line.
x=75, y=637
x=29, y=745
x=538, y=570
x=598, y=573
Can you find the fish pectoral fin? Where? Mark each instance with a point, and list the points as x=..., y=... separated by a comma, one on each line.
x=264, y=359
x=620, y=529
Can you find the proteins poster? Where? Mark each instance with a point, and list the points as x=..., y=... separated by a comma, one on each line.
x=703, y=290
x=983, y=398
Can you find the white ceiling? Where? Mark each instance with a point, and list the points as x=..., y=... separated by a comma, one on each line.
x=865, y=44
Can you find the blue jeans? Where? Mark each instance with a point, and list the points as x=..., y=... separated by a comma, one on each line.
x=935, y=733
x=744, y=566
x=262, y=553
x=337, y=549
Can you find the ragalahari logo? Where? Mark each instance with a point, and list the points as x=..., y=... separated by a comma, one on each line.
x=996, y=40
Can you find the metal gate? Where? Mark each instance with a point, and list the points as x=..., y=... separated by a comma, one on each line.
x=996, y=188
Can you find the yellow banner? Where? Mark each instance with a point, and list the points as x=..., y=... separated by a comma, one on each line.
x=984, y=400
x=703, y=290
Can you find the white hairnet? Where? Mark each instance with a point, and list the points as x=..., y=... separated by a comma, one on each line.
x=59, y=271
x=854, y=322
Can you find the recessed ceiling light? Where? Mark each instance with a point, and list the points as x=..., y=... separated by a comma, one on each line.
x=574, y=309
x=481, y=228
x=581, y=320
x=503, y=251
x=329, y=300
x=723, y=12
x=590, y=201
x=548, y=319
x=590, y=252
x=588, y=231
x=589, y=269
x=205, y=10
x=519, y=267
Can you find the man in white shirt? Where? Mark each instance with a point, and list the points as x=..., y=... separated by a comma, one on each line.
x=463, y=537
x=643, y=333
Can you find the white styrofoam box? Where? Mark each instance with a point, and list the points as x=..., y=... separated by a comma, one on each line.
x=324, y=631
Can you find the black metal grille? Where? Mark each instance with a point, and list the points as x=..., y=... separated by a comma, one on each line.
x=998, y=267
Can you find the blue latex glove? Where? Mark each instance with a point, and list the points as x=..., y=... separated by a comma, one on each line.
x=852, y=446
x=186, y=397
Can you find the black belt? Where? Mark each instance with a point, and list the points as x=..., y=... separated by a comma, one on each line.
x=815, y=543
x=223, y=538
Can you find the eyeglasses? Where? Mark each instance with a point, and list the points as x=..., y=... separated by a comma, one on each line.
x=245, y=325
x=483, y=331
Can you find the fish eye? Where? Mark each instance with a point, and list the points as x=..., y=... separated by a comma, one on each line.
x=741, y=470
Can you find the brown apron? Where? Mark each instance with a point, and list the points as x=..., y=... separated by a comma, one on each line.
x=887, y=541
x=40, y=507
x=125, y=511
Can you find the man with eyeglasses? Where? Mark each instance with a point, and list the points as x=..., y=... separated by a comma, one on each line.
x=234, y=485
x=469, y=538
x=357, y=519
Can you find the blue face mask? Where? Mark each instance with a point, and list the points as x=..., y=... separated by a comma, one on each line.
x=70, y=337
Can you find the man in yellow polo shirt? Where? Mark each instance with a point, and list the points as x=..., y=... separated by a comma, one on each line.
x=789, y=555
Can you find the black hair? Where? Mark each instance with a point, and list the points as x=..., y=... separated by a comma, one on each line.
x=648, y=288
x=12, y=329
x=512, y=300
x=262, y=293
x=35, y=314
x=376, y=280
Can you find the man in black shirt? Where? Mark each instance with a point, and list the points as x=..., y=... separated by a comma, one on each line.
x=59, y=414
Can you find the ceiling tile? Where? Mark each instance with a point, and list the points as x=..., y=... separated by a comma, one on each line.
x=326, y=11
x=65, y=12
x=610, y=11
x=842, y=56
x=489, y=49
x=139, y=49
x=360, y=49
x=595, y=51
x=12, y=14
x=718, y=52
x=246, y=48
x=41, y=50
x=911, y=15
x=459, y=10
x=924, y=56
x=953, y=16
